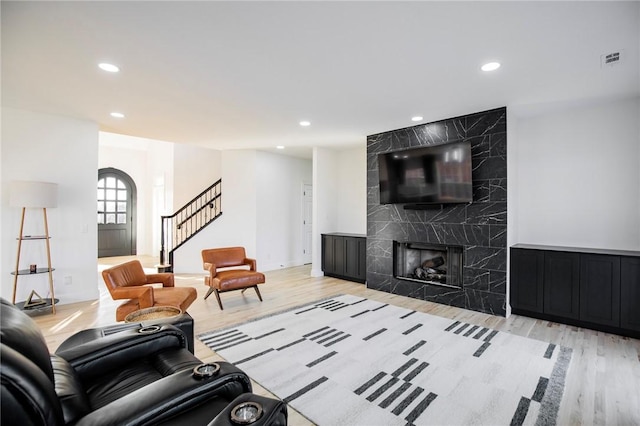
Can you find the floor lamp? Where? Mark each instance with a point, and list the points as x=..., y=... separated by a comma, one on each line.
x=39, y=195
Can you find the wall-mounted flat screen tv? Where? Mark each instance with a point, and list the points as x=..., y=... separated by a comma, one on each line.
x=435, y=174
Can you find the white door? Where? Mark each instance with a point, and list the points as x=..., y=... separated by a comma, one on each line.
x=307, y=211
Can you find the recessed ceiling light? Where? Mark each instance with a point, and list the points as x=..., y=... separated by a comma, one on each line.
x=108, y=67
x=491, y=66
x=416, y=118
x=280, y=147
x=305, y=123
x=117, y=114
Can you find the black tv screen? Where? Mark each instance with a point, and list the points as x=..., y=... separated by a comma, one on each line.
x=428, y=175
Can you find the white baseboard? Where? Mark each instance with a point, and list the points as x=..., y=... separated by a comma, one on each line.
x=317, y=273
x=280, y=265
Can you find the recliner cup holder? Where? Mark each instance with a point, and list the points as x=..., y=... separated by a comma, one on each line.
x=149, y=329
x=246, y=413
x=204, y=371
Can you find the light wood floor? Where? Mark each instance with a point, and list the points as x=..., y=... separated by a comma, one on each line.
x=602, y=387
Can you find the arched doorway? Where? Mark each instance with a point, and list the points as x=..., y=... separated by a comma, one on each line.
x=116, y=198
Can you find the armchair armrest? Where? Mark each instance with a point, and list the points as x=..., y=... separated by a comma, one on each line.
x=211, y=267
x=164, y=278
x=93, y=358
x=143, y=293
x=251, y=263
x=169, y=397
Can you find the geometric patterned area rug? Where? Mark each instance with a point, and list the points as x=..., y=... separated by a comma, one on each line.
x=354, y=361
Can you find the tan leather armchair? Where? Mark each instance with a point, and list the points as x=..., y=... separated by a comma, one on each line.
x=243, y=276
x=129, y=281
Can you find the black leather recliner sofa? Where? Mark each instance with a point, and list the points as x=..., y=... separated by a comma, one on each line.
x=134, y=377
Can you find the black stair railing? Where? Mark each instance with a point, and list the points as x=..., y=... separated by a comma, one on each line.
x=181, y=226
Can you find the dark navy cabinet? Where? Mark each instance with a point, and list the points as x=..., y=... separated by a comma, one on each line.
x=592, y=288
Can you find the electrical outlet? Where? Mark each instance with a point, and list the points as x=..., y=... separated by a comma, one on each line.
x=67, y=280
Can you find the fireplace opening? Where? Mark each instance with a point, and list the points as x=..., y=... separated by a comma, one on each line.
x=428, y=263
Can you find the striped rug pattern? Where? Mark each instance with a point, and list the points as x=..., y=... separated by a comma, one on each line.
x=354, y=361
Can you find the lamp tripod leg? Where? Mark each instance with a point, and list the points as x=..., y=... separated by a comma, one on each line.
x=46, y=232
x=15, y=277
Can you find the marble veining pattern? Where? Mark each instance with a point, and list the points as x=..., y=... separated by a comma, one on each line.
x=480, y=226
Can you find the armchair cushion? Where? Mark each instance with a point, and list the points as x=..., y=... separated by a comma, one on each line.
x=227, y=257
x=131, y=273
x=236, y=279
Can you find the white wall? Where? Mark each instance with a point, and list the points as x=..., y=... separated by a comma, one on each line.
x=161, y=178
x=237, y=226
x=58, y=149
x=352, y=191
x=279, y=228
x=578, y=175
x=195, y=169
x=325, y=200
x=261, y=205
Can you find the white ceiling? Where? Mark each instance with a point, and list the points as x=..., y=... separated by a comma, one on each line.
x=243, y=74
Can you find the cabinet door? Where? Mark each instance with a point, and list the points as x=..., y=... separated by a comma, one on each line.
x=630, y=293
x=355, y=258
x=526, y=281
x=339, y=258
x=562, y=284
x=600, y=289
x=351, y=257
x=328, y=263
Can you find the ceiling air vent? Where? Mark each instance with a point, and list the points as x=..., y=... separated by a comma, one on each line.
x=611, y=59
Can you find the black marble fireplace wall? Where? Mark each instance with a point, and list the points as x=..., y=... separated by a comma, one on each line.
x=480, y=227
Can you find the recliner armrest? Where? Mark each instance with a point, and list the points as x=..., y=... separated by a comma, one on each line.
x=92, y=358
x=170, y=396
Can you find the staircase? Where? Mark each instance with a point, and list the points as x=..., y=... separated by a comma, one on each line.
x=178, y=228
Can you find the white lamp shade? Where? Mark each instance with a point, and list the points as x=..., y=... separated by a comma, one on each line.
x=33, y=194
